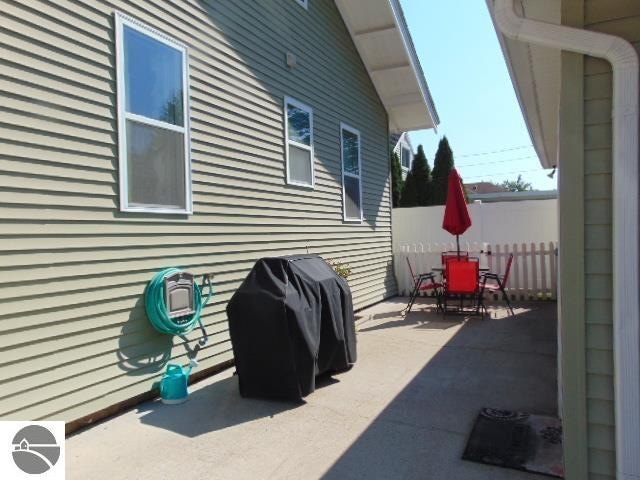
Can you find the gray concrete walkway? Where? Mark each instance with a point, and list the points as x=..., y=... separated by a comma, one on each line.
x=404, y=411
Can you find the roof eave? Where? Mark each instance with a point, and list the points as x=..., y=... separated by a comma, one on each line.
x=530, y=116
x=408, y=102
x=542, y=129
x=415, y=62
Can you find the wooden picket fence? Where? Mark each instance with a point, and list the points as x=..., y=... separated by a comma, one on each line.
x=533, y=272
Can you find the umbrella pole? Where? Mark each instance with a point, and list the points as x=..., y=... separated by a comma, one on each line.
x=458, y=245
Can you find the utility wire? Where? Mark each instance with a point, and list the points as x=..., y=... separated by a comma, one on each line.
x=502, y=173
x=494, y=151
x=496, y=161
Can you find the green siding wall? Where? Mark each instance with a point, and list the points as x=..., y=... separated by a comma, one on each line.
x=75, y=338
x=598, y=280
x=621, y=18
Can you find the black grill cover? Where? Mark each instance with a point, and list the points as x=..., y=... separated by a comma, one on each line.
x=290, y=320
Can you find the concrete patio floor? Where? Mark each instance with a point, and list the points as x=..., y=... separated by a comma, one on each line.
x=404, y=411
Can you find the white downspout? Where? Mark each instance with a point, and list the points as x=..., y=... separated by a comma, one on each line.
x=626, y=306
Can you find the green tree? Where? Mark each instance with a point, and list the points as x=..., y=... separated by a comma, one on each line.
x=397, y=184
x=409, y=196
x=517, y=185
x=442, y=166
x=417, y=185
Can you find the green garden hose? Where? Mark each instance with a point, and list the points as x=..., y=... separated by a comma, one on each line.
x=157, y=310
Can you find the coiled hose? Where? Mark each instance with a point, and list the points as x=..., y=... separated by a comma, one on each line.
x=157, y=310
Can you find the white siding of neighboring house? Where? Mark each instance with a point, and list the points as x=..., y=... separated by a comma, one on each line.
x=404, y=142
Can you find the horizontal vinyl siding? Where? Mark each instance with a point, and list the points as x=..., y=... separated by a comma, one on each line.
x=621, y=18
x=598, y=279
x=75, y=338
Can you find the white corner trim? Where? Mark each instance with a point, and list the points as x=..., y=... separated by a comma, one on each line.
x=626, y=305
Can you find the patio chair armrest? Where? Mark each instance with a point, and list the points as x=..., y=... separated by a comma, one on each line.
x=487, y=276
x=428, y=276
x=492, y=276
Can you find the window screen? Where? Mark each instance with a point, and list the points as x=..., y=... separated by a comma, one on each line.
x=299, y=143
x=406, y=157
x=351, y=173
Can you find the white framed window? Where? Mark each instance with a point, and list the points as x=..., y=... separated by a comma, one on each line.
x=351, y=173
x=153, y=120
x=304, y=3
x=405, y=157
x=298, y=133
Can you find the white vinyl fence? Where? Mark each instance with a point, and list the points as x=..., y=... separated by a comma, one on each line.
x=500, y=222
x=533, y=271
x=528, y=228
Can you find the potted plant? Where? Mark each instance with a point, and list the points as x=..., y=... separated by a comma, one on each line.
x=342, y=269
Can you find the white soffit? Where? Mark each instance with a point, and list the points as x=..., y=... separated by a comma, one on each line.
x=536, y=75
x=380, y=34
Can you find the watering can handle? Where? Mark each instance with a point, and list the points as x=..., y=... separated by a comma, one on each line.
x=172, y=369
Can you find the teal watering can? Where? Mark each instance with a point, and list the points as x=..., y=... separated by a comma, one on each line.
x=173, y=386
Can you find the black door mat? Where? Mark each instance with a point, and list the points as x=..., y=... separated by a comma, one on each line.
x=518, y=440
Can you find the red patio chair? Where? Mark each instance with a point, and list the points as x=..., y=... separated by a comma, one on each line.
x=462, y=275
x=452, y=254
x=498, y=284
x=419, y=285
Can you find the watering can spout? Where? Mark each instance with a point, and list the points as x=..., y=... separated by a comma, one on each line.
x=193, y=363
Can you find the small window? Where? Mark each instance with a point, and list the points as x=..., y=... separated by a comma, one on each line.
x=153, y=120
x=351, y=173
x=299, y=143
x=406, y=157
x=304, y=3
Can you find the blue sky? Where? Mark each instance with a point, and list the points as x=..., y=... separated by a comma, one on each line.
x=470, y=84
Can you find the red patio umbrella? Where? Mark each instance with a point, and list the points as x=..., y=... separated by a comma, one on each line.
x=456, y=215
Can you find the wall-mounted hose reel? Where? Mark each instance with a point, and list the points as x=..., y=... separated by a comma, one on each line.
x=174, y=302
x=179, y=295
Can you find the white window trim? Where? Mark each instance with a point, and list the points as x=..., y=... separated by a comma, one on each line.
x=404, y=145
x=344, y=126
x=287, y=142
x=121, y=21
x=303, y=3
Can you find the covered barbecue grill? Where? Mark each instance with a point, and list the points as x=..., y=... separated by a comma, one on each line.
x=290, y=320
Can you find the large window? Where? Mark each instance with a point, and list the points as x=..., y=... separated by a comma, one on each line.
x=351, y=173
x=153, y=120
x=298, y=119
x=406, y=157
